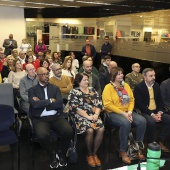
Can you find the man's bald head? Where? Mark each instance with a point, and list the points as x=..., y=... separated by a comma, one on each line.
x=87, y=66
x=112, y=64
x=40, y=70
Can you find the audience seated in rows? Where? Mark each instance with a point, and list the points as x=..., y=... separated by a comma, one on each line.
x=29, y=60
x=67, y=68
x=2, y=59
x=22, y=57
x=7, y=67
x=118, y=101
x=86, y=104
x=134, y=77
x=56, y=58
x=46, y=112
x=104, y=66
x=62, y=81
x=94, y=69
x=37, y=61
x=26, y=83
x=75, y=62
x=105, y=77
x=14, y=77
x=93, y=79
x=148, y=99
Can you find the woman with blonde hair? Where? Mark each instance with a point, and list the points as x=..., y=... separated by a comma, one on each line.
x=25, y=45
x=67, y=68
x=7, y=67
x=14, y=77
x=14, y=53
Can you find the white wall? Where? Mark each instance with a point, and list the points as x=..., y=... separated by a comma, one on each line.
x=12, y=21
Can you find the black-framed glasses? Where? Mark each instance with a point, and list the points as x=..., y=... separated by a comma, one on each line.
x=44, y=74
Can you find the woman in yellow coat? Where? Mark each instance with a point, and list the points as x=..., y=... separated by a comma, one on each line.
x=118, y=101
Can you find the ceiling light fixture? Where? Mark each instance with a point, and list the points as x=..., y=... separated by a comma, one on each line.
x=38, y=3
x=95, y=3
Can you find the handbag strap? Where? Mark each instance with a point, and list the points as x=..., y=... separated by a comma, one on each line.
x=74, y=127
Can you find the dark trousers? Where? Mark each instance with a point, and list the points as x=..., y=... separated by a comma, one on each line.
x=151, y=127
x=43, y=127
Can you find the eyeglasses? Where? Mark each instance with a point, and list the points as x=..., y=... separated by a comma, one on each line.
x=44, y=74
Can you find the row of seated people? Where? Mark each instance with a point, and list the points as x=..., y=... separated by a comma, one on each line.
x=87, y=66
x=86, y=103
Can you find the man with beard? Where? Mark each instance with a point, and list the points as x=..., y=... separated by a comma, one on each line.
x=46, y=112
x=148, y=99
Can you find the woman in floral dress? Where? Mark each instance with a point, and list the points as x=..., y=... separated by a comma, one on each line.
x=85, y=102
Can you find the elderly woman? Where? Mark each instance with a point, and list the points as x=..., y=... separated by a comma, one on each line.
x=118, y=101
x=67, y=68
x=85, y=102
x=7, y=67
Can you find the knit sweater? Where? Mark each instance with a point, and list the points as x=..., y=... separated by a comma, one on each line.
x=14, y=78
x=64, y=84
x=112, y=102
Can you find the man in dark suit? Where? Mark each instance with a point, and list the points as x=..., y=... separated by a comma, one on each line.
x=89, y=50
x=9, y=45
x=46, y=111
x=105, y=77
x=148, y=99
x=93, y=79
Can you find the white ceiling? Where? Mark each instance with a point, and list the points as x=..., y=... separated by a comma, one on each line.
x=56, y=3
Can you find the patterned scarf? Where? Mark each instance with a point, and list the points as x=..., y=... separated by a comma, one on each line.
x=122, y=93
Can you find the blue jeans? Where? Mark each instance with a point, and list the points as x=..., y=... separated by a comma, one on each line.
x=124, y=125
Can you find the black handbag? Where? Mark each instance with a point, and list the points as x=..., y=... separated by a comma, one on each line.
x=72, y=152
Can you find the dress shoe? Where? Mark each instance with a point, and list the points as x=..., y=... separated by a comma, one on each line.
x=54, y=162
x=163, y=147
x=90, y=161
x=96, y=160
x=140, y=155
x=62, y=159
x=125, y=157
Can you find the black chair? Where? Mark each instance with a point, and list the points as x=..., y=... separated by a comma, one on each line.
x=10, y=128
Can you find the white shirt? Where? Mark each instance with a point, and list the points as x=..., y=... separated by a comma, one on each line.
x=45, y=112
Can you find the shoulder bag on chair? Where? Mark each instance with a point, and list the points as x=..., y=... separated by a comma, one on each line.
x=72, y=152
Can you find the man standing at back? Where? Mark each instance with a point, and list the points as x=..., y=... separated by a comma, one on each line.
x=89, y=50
x=149, y=101
x=46, y=112
x=9, y=45
x=106, y=48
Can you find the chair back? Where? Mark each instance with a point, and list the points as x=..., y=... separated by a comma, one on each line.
x=7, y=119
x=6, y=95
